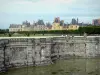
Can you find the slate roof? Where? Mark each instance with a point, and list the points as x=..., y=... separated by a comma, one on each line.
x=15, y=26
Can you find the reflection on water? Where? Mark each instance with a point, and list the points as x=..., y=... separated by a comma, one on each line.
x=62, y=67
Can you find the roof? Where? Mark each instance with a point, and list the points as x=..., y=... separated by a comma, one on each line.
x=15, y=26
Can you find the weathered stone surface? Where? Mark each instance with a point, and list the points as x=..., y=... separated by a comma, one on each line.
x=41, y=51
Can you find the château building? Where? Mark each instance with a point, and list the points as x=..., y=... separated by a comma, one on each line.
x=15, y=28
x=73, y=27
x=96, y=22
x=40, y=26
x=57, y=26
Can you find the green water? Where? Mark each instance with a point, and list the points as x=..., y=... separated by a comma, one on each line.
x=61, y=67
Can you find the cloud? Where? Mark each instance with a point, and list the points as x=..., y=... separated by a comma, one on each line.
x=33, y=6
x=15, y=11
x=50, y=6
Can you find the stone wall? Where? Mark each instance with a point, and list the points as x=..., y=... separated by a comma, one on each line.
x=16, y=52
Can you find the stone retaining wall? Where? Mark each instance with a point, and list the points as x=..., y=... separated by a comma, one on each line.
x=16, y=52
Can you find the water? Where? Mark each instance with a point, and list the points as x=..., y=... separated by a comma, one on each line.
x=61, y=67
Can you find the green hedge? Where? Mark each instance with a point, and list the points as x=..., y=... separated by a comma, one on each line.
x=81, y=30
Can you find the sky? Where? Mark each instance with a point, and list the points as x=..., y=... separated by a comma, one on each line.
x=17, y=11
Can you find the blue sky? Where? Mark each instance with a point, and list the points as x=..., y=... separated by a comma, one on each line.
x=16, y=11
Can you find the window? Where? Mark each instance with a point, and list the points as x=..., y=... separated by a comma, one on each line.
x=71, y=26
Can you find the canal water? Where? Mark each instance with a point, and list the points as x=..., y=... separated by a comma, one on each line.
x=61, y=67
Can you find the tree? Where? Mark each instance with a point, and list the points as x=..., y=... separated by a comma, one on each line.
x=27, y=33
x=10, y=33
